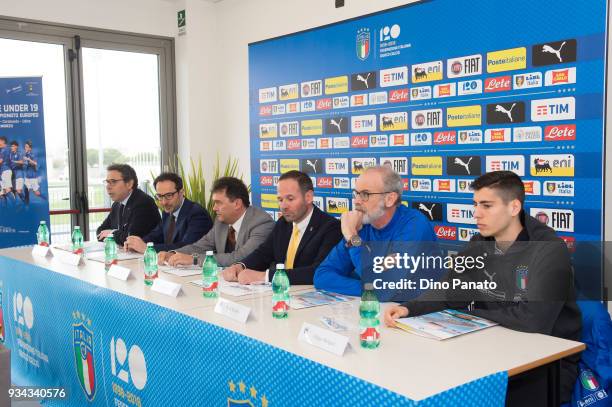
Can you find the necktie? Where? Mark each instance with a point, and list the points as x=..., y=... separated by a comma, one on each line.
x=170, y=230
x=230, y=244
x=120, y=224
x=292, y=249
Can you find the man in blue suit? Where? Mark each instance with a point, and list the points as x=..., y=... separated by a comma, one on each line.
x=183, y=221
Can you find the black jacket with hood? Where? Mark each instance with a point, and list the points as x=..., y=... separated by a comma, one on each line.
x=535, y=289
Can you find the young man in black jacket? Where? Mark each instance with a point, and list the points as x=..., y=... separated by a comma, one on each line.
x=301, y=238
x=531, y=269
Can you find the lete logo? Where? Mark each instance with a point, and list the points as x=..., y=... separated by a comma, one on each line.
x=560, y=133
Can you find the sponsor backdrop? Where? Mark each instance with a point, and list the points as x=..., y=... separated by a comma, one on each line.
x=108, y=349
x=443, y=91
x=21, y=120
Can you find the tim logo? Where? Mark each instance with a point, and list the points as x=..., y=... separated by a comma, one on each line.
x=128, y=366
x=514, y=163
x=553, y=109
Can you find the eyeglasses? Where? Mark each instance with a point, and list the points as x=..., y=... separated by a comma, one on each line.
x=111, y=182
x=365, y=195
x=167, y=196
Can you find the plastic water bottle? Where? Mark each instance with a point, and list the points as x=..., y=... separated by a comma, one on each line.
x=280, y=293
x=369, y=311
x=110, y=252
x=42, y=235
x=210, y=281
x=150, y=264
x=77, y=241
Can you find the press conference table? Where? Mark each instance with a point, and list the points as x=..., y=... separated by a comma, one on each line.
x=412, y=366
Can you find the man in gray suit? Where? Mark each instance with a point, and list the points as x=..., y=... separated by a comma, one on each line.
x=238, y=229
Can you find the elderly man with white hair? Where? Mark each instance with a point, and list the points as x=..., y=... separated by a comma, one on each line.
x=377, y=216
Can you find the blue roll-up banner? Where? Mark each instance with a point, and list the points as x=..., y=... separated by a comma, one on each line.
x=23, y=169
x=107, y=349
x=443, y=91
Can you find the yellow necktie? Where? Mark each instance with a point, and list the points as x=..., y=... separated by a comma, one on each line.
x=292, y=249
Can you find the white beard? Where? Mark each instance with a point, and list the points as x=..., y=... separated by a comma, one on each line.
x=373, y=216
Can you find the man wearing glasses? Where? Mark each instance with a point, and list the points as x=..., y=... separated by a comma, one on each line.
x=378, y=216
x=183, y=221
x=133, y=212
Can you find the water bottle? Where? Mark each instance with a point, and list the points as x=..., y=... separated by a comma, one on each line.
x=280, y=293
x=369, y=310
x=77, y=241
x=150, y=264
x=210, y=281
x=110, y=252
x=42, y=235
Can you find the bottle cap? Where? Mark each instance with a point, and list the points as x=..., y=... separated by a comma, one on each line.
x=150, y=244
x=77, y=228
x=209, y=252
x=280, y=266
x=369, y=286
x=43, y=222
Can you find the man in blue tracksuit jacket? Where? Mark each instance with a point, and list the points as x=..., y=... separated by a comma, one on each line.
x=378, y=216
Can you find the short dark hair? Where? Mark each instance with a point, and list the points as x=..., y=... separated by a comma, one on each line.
x=508, y=184
x=3, y=139
x=234, y=188
x=169, y=176
x=14, y=143
x=127, y=173
x=303, y=180
x=28, y=143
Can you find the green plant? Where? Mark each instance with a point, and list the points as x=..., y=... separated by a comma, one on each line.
x=194, y=182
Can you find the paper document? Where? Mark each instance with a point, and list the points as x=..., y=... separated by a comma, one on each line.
x=89, y=247
x=316, y=298
x=236, y=289
x=443, y=324
x=121, y=255
x=181, y=271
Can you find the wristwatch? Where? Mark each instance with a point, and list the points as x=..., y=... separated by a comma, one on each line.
x=354, y=241
x=195, y=259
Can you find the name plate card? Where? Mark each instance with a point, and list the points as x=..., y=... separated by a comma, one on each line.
x=232, y=310
x=119, y=272
x=323, y=338
x=40, y=251
x=166, y=287
x=69, y=258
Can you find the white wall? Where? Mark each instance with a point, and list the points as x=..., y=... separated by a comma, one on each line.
x=241, y=22
x=155, y=17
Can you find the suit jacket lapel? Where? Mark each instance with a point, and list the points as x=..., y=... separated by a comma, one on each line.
x=182, y=217
x=241, y=236
x=310, y=230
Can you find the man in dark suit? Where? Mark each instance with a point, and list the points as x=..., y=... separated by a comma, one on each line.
x=133, y=212
x=183, y=221
x=301, y=238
